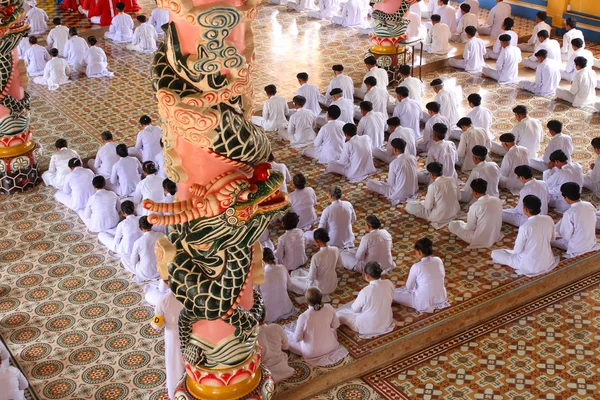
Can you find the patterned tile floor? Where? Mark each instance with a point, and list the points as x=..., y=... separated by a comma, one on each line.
x=64, y=301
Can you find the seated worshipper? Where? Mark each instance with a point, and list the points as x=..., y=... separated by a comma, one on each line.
x=301, y=128
x=447, y=14
x=438, y=37
x=507, y=66
x=561, y=170
x=414, y=85
x=169, y=190
x=274, y=111
x=291, y=247
x=372, y=123
x=459, y=35
x=144, y=37
x=281, y=167
x=469, y=138
x=484, y=220
x=576, y=231
x=507, y=25
x=372, y=70
x=425, y=290
x=310, y=92
x=402, y=182
x=56, y=72
x=12, y=381
x=441, y=204
x=126, y=234
x=58, y=36
x=273, y=341
x=106, y=156
x=442, y=151
x=75, y=50
x=370, y=314
x=480, y=116
x=416, y=30
x=474, y=51
x=337, y=219
x=303, y=201
x=346, y=107
x=541, y=25
x=514, y=156
x=432, y=8
x=408, y=111
x=101, y=211
x=329, y=142
x=538, y=188
x=77, y=187
x=583, y=88
x=448, y=99
x=376, y=95
x=327, y=9
x=158, y=18
x=434, y=117
x=559, y=141
x=142, y=261
x=125, y=173
x=59, y=165
x=547, y=76
x=591, y=181
x=375, y=246
x=147, y=142
x=532, y=254
x=339, y=81
x=551, y=47
x=356, y=159
x=23, y=46
x=149, y=188
x=121, y=27
x=274, y=289
x=486, y=170
x=36, y=58
x=95, y=61
x=265, y=240
x=315, y=336
x=571, y=34
x=578, y=51
x=352, y=14
x=528, y=133
x=301, y=5
x=37, y=20
x=397, y=132
x=322, y=272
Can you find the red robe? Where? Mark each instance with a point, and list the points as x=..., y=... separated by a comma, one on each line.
x=131, y=6
x=106, y=10
x=70, y=5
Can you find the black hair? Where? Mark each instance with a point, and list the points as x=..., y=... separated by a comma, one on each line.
x=60, y=143
x=74, y=162
x=533, y=204
x=145, y=120
x=543, y=34
x=373, y=269
x=571, y=23
x=321, y=235
x=53, y=52
x=520, y=110
x=554, y=126
x=92, y=40
x=128, y=207
x=541, y=15
x=271, y=90
x=99, y=182
x=373, y=222
x=120, y=6
x=334, y=111
x=106, y=135
x=402, y=91
x=464, y=121
x=596, y=142
x=480, y=152
x=465, y=7
x=370, y=60
x=508, y=23
x=366, y=105
x=558, y=155
x=425, y=246
x=302, y=76
x=543, y=53
x=314, y=297
x=571, y=190
x=581, y=62
x=393, y=121
x=479, y=185
x=290, y=221
x=337, y=67
x=507, y=138
x=439, y=130
x=475, y=99
x=336, y=192
x=299, y=100
x=436, y=18
x=433, y=106
x=524, y=171
x=371, y=81
x=169, y=186
x=405, y=69
x=435, y=168
x=141, y=18
x=73, y=31
x=149, y=168
x=145, y=224
x=399, y=144
x=122, y=150
x=577, y=42
x=349, y=129
x=471, y=30
x=268, y=256
x=299, y=181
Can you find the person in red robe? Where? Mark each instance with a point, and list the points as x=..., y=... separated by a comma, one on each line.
x=70, y=5
x=104, y=12
x=131, y=6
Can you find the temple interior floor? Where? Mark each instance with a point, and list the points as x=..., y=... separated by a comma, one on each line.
x=77, y=324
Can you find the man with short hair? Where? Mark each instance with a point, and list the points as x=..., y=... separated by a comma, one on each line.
x=372, y=70
x=377, y=95
x=470, y=137
x=144, y=37
x=329, y=142
x=528, y=132
x=121, y=27
x=74, y=51
x=547, y=76
x=571, y=34
x=496, y=16
x=447, y=14
x=408, y=110
x=310, y=93
x=583, y=86
x=448, y=100
x=142, y=260
x=480, y=116
x=442, y=151
x=561, y=170
x=438, y=37
x=59, y=164
x=397, y=131
x=558, y=141
x=356, y=160
x=516, y=216
x=551, y=47
x=540, y=25
x=346, y=106
x=486, y=170
x=352, y=14
x=569, y=72
x=375, y=245
x=433, y=111
x=36, y=58
x=102, y=209
x=514, y=155
x=474, y=51
x=507, y=25
x=414, y=85
x=274, y=111
x=339, y=81
x=77, y=188
x=147, y=142
x=58, y=36
x=56, y=72
x=106, y=156
x=467, y=19
x=372, y=124
x=301, y=128
x=507, y=66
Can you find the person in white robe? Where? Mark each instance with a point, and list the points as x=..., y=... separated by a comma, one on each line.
x=474, y=4
x=281, y=167
x=547, y=76
x=142, y=261
x=416, y=30
x=314, y=336
x=37, y=20
x=166, y=315
x=425, y=290
x=327, y=9
x=301, y=128
x=322, y=271
x=551, y=46
x=480, y=116
x=149, y=188
x=274, y=289
x=23, y=46
x=470, y=137
x=568, y=73
x=495, y=18
x=12, y=381
x=346, y=107
x=507, y=25
x=583, y=88
x=101, y=212
x=441, y=204
x=447, y=14
x=310, y=92
x=438, y=37
x=95, y=61
x=532, y=254
x=474, y=51
x=56, y=72
x=528, y=132
x=273, y=341
x=489, y=171
x=434, y=117
x=273, y=112
x=558, y=141
x=484, y=220
x=59, y=164
x=58, y=37
x=516, y=216
x=329, y=142
x=303, y=201
x=377, y=96
x=591, y=180
x=106, y=156
x=375, y=245
x=291, y=247
x=126, y=233
x=147, y=142
x=125, y=173
x=397, y=132
x=77, y=187
x=432, y=8
x=459, y=35
x=356, y=159
x=144, y=37
x=352, y=14
x=301, y=5
x=372, y=70
x=540, y=25
x=36, y=58
x=571, y=34
x=414, y=85
x=337, y=220
x=158, y=18
x=442, y=151
x=121, y=26
x=370, y=314
x=514, y=155
x=449, y=100
x=507, y=65
x=561, y=170
x=74, y=51
x=408, y=111
x=339, y=81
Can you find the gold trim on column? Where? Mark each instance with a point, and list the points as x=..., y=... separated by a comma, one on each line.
x=231, y=392
x=14, y=151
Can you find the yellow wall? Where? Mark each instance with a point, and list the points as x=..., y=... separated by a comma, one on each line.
x=589, y=7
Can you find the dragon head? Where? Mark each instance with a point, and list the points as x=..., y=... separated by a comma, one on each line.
x=11, y=17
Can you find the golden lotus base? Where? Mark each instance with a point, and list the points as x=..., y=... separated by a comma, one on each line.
x=231, y=392
x=386, y=50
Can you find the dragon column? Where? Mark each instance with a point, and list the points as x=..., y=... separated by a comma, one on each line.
x=227, y=195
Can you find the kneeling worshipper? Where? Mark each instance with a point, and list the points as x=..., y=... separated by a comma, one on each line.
x=561, y=170
x=303, y=201
x=147, y=141
x=532, y=254
x=583, y=87
x=576, y=231
x=484, y=220
x=442, y=151
x=370, y=314
x=329, y=142
x=121, y=27
x=101, y=211
x=547, y=76
x=559, y=141
x=127, y=232
x=414, y=85
x=441, y=202
x=528, y=133
x=144, y=37
x=371, y=124
x=12, y=381
x=469, y=138
x=273, y=112
x=571, y=34
x=142, y=261
x=551, y=46
x=486, y=170
x=74, y=51
x=58, y=37
x=507, y=65
x=37, y=20
x=466, y=19
x=591, y=180
x=377, y=95
x=95, y=61
x=314, y=336
x=149, y=188
x=433, y=117
x=516, y=216
x=36, y=58
x=372, y=70
x=291, y=247
x=577, y=50
x=346, y=107
x=438, y=37
x=397, y=132
x=327, y=9
x=337, y=219
x=507, y=26
x=495, y=19
x=515, y=155
x=301, y=128
x=126, y=172
x=281, y=167
x=274, y=289
x=402, y=181
x=158, y=18
x=541, y=25
x=59, y=164
x=408, y=111
x=448, y=98
x=56, y=72
x=474, y=51
x=352, y=14
x=339, y=81
x=77, y=187
x=375, y=245
x=356, y=159
x=310, y=92
x=480, y=116
x=106, y=156
x=425, y=290
x=273, y=341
